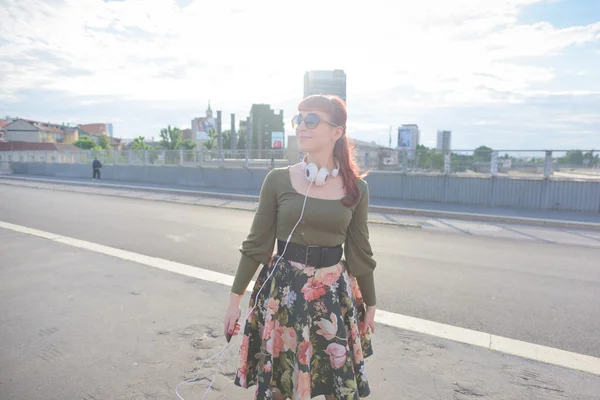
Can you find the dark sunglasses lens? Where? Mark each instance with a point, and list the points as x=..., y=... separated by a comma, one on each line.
x=296, y=121
x=311, y=121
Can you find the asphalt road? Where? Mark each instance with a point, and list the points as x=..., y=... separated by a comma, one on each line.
x=539, y=291
x=76, y=324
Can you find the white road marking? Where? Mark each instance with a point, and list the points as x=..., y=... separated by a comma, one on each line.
x=518, y=348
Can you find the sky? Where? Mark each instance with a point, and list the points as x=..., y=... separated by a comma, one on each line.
x=509, y=74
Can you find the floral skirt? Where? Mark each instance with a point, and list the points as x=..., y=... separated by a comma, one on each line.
x=303, y=338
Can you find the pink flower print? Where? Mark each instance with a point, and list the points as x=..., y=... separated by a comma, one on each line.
x=313, y=290
x=267, y=367
x=241, y=374
x=303, y=392
x=328, y=276
x=328, y=327
x=357, y=351
x=289, y=339
x=337, y=355
x=272, y=306
x=305, y=352
x=244, y=348
x=268, y=330
x=275, y=343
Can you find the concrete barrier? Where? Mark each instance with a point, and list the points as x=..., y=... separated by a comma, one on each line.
x=540, y=194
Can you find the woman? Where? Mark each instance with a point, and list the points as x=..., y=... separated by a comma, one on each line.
x=310, y=330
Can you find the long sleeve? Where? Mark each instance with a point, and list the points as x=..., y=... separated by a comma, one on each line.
x=257, y=248
x=357, y=250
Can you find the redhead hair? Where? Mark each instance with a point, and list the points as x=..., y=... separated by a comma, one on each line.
x=343, y=150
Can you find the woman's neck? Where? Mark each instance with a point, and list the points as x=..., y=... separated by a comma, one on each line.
x=321, y=160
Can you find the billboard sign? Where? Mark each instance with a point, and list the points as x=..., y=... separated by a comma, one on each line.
x=277, y=140
x=202, y=126
x=404, y=138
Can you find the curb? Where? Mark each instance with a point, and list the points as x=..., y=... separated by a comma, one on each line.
x=548, y=223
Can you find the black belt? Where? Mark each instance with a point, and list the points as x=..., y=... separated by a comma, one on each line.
x=313, y=256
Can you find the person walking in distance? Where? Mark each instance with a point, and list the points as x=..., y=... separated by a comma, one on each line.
x=310, y=331
x=96, y=165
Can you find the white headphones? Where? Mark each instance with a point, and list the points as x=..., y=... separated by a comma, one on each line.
x=319, y=177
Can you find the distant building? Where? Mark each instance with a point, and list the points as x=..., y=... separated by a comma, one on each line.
x=369, y=155
x=325, y=82
x=444, y=140
x=22, y=130
x=267, y=129
x=2, y=130
x=186, y=134
x=409, y=137
x=98, y=129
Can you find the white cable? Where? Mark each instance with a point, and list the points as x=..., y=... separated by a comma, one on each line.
x=225, y=348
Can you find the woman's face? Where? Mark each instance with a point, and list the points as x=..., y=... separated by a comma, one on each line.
x=312, y=138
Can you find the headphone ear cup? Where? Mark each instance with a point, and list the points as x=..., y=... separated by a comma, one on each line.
x=311, y=172
x=322, y=176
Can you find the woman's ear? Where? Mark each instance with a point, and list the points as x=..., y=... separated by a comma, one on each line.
x=339, y=131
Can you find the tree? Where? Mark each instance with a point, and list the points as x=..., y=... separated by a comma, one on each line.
x=139, y=143
x=226, y=136
x=104, y=142
x=87, y=143
x=171, y=138
x=210, y=144
x=573, y=157
x=241, y=144
x=483, y=154
x=188, y=145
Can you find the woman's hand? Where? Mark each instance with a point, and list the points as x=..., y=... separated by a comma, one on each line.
x=369, y=320
x=233, y=313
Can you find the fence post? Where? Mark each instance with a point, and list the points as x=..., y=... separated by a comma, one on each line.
x=404, y=161
x=494, y=164
x=130, y=157
x=116, y=156
x=180, y=157
x=146, y=157
x=447, y=162
x=164, y=157
x=548, y=164
x=201, y=156
x=246, y=163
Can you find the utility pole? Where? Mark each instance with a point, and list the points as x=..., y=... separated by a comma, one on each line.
x=219, y=136
x=232, y=135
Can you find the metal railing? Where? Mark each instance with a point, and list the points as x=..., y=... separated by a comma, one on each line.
x=566, y=164
x=561, y=164
x=186, y=158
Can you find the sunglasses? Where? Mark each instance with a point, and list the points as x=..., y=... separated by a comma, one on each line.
x=311, y=121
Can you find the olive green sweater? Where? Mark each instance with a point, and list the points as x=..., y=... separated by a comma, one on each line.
x=324, y=223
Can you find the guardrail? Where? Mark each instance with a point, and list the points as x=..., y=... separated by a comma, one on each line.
x=561, y=164
x=565, y=164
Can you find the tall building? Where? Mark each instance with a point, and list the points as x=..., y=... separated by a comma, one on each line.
x=409, y=137
x=325, y=82
x=266, y=128
x=444, y=140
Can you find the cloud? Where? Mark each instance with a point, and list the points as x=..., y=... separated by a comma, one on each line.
x=425, y=62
